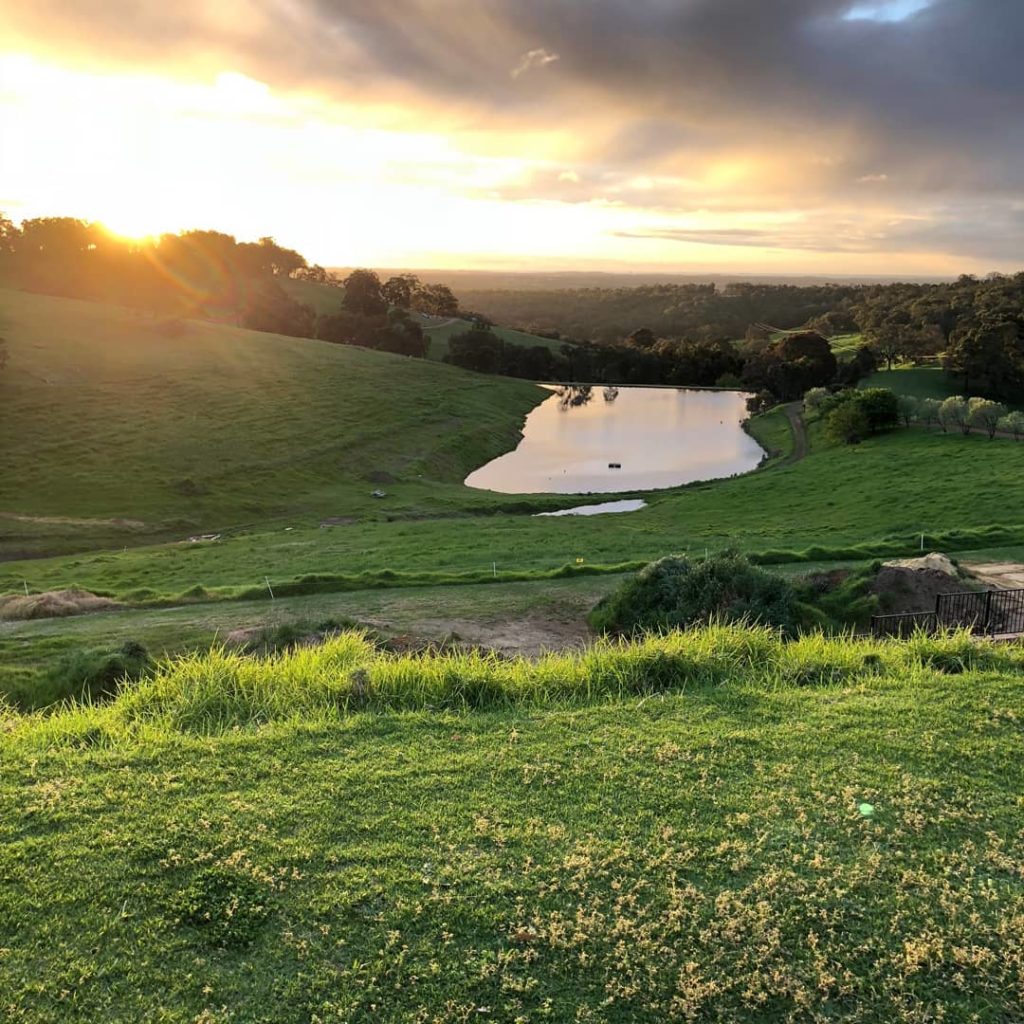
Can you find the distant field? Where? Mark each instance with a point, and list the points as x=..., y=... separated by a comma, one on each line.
x=919, y=381
x=844, y=345
x=439, y=337
x=326, y=299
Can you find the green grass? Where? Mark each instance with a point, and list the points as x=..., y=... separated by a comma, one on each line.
x=918, y=381
x=124, y=430
x=440, y=336
x=325, y=299
x=34, y=654
x=721, y=829
x=844, y=345
x=773, y=432
x=839, y=503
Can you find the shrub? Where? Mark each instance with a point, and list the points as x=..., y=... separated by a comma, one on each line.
x=985, y=414
x=675, y=592
x=908, y=409
x=847, y=423
x=881, y=407
x=953, y=413
x=1012, y=423
x=97, y=674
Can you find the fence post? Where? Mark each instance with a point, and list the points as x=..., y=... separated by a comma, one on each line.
x=988, y=611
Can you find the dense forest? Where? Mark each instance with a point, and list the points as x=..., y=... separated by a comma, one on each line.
x=973, y=327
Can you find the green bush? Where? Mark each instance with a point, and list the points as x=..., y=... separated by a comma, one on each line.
x=96, y=674
x=674, y=592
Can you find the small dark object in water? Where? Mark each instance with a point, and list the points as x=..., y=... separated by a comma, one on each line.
x=615, y=465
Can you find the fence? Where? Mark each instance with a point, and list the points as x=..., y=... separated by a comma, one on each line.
x=981, y=611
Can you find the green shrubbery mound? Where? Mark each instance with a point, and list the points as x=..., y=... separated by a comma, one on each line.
x=675, y=592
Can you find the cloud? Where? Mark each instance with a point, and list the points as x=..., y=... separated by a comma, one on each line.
x=723, y=105
x=534, y=59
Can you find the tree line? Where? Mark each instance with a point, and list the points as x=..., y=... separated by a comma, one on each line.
x=777, y=371
x=210, y=274
x=972, y=327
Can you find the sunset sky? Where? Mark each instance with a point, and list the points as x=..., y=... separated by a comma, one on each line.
x=762, y=136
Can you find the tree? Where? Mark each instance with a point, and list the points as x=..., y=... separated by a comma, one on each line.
x=1012, y=423
x=642, y=337
x=989, y=356
x=436, y=299
x=814, y=398
x=399, y=290
x=847, y=423
x=272, y=309
x=985, y=414
x=928, y=411
x=953, y=413
x=402, y=336
x=476, y=349
x=908, y=408
x=363, y=294
x=880, y=406
x=281, y=262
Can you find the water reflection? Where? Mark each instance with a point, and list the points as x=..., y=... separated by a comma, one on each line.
x=573, y=396
x=636, y=439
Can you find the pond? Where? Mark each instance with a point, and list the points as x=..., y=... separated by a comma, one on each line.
x=601, y=440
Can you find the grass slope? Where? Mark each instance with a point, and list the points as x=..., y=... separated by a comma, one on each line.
x=950, y=487
x=918, y=381
x=746, y=850
x=115, y=422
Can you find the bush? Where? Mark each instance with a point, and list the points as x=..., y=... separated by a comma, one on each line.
x=847, y=424
x=98, y=674
x=674, y=592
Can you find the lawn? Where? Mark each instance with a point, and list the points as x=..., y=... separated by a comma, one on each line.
x=746, y=849
x=918, y=381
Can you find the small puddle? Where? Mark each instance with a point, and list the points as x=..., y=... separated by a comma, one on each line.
x=627, y=505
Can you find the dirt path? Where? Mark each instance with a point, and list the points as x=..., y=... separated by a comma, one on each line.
x=526, y=636
x=796, y=422
x=1000, y=575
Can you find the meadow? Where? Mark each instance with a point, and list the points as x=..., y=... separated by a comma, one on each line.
x=712, y=826
x=130, y=426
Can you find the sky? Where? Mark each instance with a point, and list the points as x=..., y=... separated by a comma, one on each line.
x=730, y=136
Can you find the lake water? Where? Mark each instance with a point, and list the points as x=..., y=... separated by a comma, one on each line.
x=603, y=509
x=601, y=440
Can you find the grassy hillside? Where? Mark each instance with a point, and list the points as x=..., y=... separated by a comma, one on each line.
x=326, y=299
x=119, y=424
x=919, y=381
x=721, y=829
x=440, y=335
x=899, y=485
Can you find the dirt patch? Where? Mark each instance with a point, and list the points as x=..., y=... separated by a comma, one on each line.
x=526, y=637
x=997, y=575
x=131, y=524
x=338, y=521
x=53, y=604
x=913, y=584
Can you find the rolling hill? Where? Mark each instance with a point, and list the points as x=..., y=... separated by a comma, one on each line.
x=120, y=426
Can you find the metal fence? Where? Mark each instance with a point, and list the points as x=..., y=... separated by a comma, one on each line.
x=903, y=625
x=990, y=611
x=981, y=611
